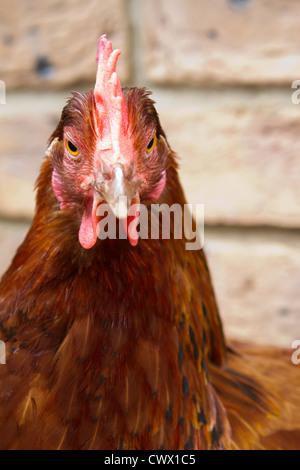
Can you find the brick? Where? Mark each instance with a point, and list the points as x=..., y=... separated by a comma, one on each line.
x=238, y=152
x=26, y=123
x=55, y=43
x=256, y=278
x=255, y=275
x=222, y=42
x=11, y=236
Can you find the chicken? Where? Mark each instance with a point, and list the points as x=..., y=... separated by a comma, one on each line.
x=117, y=343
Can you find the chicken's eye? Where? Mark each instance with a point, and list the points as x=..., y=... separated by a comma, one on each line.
x=72, y=149
x=151, y=145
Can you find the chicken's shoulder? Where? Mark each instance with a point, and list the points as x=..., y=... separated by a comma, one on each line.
x=259, y=387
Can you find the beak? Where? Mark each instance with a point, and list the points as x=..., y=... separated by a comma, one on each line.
x=118, y=191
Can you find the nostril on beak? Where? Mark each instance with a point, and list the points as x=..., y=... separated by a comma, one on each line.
x=106, y=171
x=119, y=193
x=116, y=185
x=109, y=172
x=129, y=173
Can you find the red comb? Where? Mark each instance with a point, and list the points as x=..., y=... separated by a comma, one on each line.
x=109, y=98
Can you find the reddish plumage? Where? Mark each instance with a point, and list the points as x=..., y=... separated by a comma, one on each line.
x=121, y=346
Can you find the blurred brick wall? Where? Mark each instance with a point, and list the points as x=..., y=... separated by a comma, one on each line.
x=221, y=74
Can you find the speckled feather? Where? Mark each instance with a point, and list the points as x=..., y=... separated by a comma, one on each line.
x=120, y=346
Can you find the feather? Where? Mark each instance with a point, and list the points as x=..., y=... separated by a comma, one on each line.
x=121, y=346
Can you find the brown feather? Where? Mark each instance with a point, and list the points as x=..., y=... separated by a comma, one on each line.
x=120, y=346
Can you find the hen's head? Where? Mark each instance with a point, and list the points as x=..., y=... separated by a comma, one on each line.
x=109, y=148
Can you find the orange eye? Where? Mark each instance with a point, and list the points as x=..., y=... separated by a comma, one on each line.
x=151, y=145
x=72, y=149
